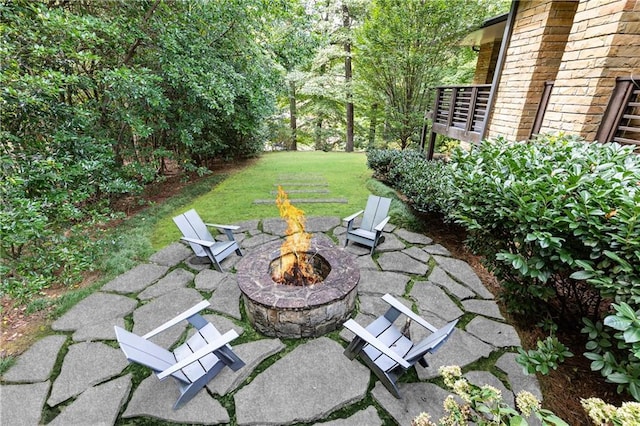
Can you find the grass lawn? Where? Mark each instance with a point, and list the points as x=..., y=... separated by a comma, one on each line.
x=231, y=201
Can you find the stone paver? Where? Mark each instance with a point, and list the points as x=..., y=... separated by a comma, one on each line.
x=437, y=249
x=252, y=353
x=412, y=237
x=417, y=254
x=258, y=240
x=226, y=298
x=22, y=404
x=366, y=262
x=461, y=271
x=307, y=384
x=36, y=364
x=378, y=282
x=487, y=308
x=461, y=349
x=86, y=364
x=441, y=278
x=480, y=378
x=99, y=331
x=416, y=398
x=98, y=405
x=209, y=279
x=517, y=378
x=390, y=243
x=495, y=333
x=97, y=308
x=433, y=300
x=368, y=417
x=162, y=309
x=277, y=397
x=400, y=262
x=178, y=278
x=171, y=255
x=136, y=279
x=155, y=399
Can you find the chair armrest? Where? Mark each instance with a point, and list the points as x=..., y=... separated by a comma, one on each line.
x=408, y=312
x=362, y=333
x=183, y=316
x=379, y=227
x=353, y=216
x=199, y=242
x=206, y=350
x=231, y=227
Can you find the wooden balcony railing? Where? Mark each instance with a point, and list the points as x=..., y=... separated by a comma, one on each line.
x=621, y=121
x=460, y=111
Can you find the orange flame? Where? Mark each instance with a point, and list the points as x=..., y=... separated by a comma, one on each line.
x=293, y=252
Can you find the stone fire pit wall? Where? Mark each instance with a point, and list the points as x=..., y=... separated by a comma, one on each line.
x=286, y=311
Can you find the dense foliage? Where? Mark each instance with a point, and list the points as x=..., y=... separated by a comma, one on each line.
x=555, y=218
x=98, y=97
x=404, y=48
x=557, y=221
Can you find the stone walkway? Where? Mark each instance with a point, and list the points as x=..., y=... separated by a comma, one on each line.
x=79, y=376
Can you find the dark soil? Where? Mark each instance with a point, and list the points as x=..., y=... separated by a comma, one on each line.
x=562, y=389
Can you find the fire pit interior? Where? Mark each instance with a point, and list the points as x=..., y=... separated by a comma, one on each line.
x=316, y=266
x=304, y=287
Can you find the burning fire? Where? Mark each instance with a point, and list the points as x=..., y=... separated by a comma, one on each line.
x=295, y=268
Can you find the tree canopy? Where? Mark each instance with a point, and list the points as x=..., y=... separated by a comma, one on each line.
x=100, y=98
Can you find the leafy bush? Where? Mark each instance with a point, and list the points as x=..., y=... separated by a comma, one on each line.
x=557, y=221
x=617, y=357
x=548, y=355
x=426, y=184
x=550, y=214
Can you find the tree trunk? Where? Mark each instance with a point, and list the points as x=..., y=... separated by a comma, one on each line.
x=347, y=78
x=318, y=134
x=373, y=123
x=293, y=114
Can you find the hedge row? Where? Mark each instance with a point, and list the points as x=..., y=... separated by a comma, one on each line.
x=557, y=219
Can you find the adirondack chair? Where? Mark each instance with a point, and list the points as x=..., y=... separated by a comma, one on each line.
x=386, y=350
x=195, y=232
x=194, y=363
x=373, y=221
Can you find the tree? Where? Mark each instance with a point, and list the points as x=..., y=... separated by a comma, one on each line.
x=401, y=48
x=97, y=96
x=293, y=42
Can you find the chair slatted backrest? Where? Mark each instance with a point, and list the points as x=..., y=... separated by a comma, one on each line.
x=192, y=226
x=431, y=343
x=377, y=209
x=147, y=353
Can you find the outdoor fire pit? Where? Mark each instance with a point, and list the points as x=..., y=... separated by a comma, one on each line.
x=292, y=311
x=302, y=287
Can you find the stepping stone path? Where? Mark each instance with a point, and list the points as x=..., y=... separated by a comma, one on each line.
x=78, y=375
x=299, y=185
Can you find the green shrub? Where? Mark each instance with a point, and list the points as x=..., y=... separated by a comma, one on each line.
x=548, y=355
x=425, y=184
x=617, y=357
x=550, y=214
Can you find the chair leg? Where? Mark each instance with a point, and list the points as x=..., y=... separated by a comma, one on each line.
x=384, y=378
x=188, y=391
x=216, y=264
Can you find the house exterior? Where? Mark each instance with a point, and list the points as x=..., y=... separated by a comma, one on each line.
x=550, y=66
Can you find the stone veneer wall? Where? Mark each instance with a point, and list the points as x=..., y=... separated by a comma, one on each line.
x=604, y=44
x=534, y=55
